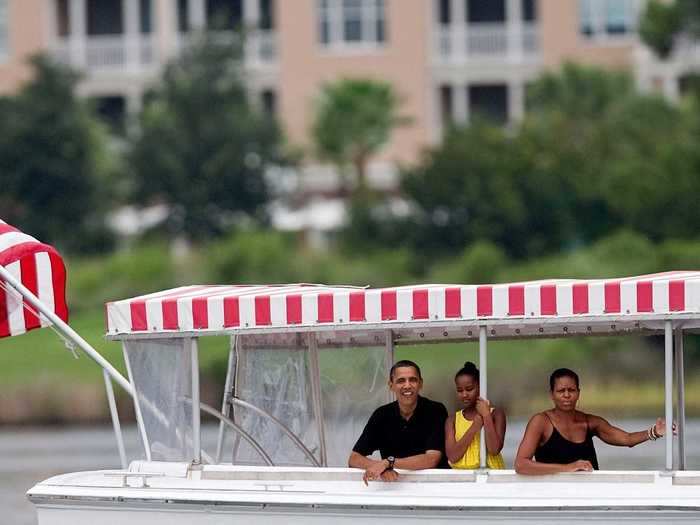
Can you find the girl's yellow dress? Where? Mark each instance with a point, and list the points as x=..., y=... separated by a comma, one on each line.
x=470, y=460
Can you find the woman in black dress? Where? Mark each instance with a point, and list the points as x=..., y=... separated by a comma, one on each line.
x=561, y=439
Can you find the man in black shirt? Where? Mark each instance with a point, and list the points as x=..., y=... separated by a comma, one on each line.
x=409, y=433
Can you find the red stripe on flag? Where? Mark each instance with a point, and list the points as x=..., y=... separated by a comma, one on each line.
x=580, y=298
x=4, y=321
x=232, y=316
x=612, y=298
x=325, y=307
x=58, y=281
x=200, y=313
x=676, y=296
x=484, y=301
x=357, y=306
x=30, y=281
x=548, y=299
x=262, y=310
x=644, y=297
x=453, y=302
x=420, y=304
x=170, y=317
x=6, y=228
x=516, y=300
x=388, y=301
x=293, y=309
x=138, y=316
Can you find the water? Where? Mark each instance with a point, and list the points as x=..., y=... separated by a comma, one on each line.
x=29, y=456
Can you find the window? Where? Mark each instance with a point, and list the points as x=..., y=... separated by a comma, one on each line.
x=267, y=15
x=145, y=16
x=446, y=106
x=224, y=14
x=104, y=18
x=4, y=30
x=529, y=8
x=112, y=111
x=62, y=18
x=351, y=22
x=608, y=18
x=268, y=99
x=486, y=11
x=444, y=12
x=183, y=16
x=489, y=102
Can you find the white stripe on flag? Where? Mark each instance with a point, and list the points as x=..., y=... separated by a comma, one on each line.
x=10, y=239
x=44, y=284
x=15, y=313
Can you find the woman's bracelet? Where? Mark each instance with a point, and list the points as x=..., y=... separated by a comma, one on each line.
x=651, y=433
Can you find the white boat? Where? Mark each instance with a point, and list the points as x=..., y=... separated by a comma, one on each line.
x=292, y=409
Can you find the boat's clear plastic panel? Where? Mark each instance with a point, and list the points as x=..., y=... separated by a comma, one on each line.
x=276, y=376
x=161, y=372
x=276, y=380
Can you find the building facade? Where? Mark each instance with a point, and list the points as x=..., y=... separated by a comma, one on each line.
x=448, y=59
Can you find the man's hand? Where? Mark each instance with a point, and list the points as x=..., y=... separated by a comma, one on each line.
x=374, y=471
x=390, y=475
x=580, y=465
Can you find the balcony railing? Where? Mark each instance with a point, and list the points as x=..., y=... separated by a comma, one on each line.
x=487, y=41
x=260, y=46
x=96, y=54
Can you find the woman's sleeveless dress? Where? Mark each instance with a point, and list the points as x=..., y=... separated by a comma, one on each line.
x=470, y=460
x=558, y=449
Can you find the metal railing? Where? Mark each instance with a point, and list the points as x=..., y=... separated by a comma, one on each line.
x=107, y=52
x=486, y=40
x=127, y=53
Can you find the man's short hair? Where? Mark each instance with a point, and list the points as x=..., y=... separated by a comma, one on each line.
x=401, y=364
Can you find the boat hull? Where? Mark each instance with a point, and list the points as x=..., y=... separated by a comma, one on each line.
x=173, y=494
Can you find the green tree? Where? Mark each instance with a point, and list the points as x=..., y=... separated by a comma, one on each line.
x=54, y=161
x=203, y=148
x=662, y=22
x=354, y=120
x=465, y=190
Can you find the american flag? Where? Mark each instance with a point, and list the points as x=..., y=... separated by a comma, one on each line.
x=40, y=268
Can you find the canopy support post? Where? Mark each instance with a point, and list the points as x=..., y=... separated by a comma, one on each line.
x=115, y=418
x=315, y=370
x=668, y=392
x=390, y=355
x=483, y=392
x=137, y=407
x=226, y=405
x=680, y=377
x=196, y=423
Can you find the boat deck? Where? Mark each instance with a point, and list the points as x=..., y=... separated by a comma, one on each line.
x=310, y=493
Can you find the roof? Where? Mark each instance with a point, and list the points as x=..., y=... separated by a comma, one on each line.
x=39, y=268
x=304, y=307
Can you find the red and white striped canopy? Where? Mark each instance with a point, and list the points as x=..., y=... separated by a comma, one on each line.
x=284, y=307
x=40, y=269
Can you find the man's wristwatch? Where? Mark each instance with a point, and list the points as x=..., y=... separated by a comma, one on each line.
x=391, y=460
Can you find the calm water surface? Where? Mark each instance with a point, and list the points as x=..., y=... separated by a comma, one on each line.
x=29, y=456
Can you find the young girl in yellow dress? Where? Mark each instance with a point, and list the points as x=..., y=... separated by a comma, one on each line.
x=463, y=429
